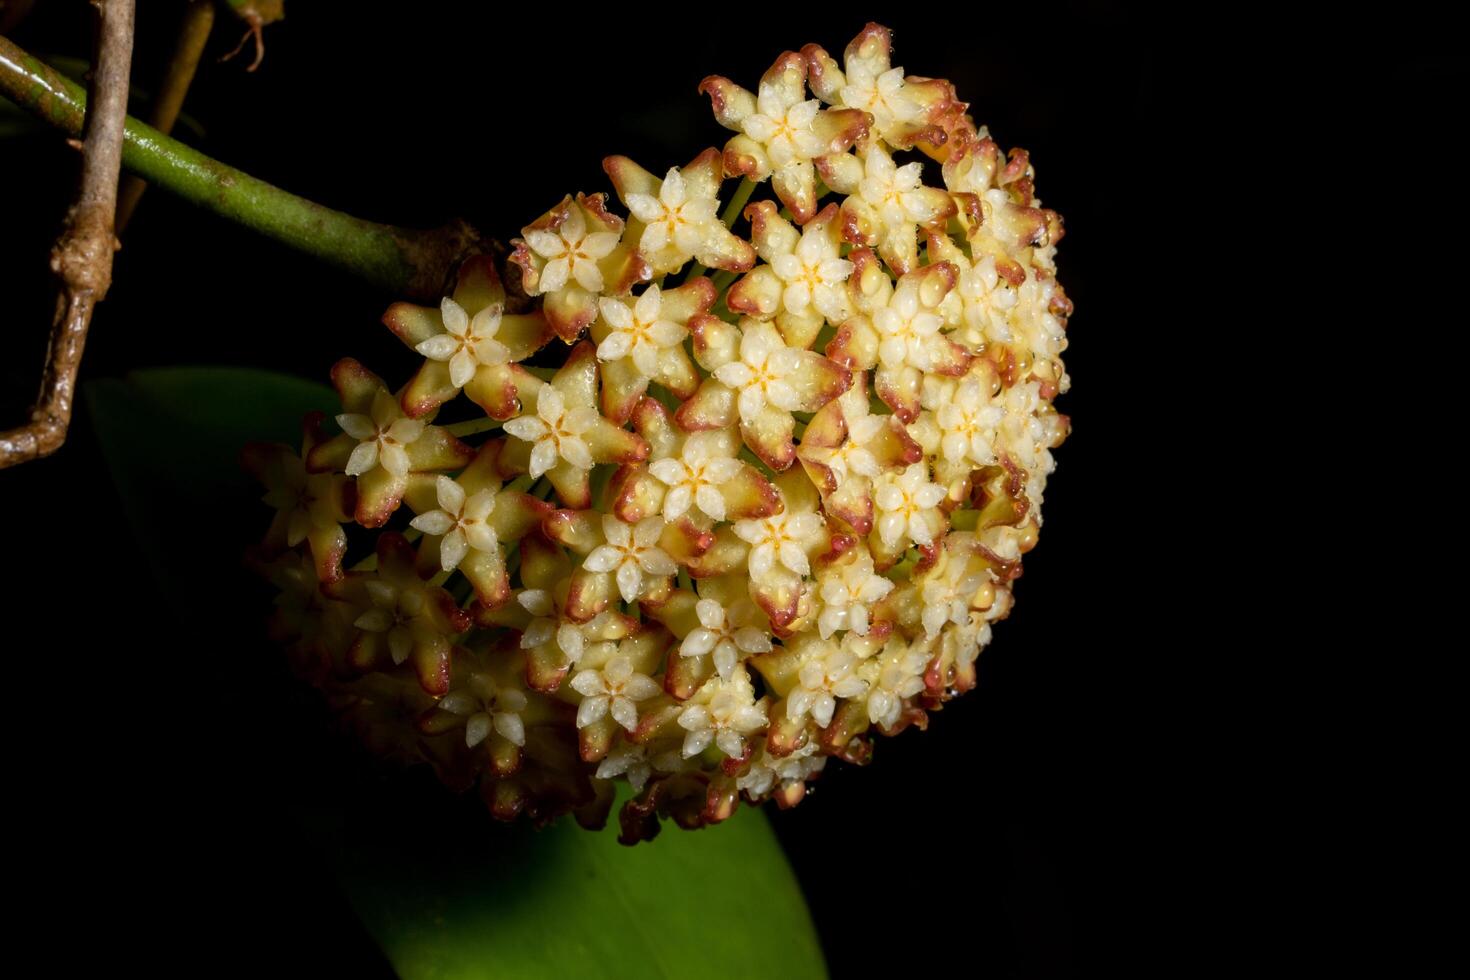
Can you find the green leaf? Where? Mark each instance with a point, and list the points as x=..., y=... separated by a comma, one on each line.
x=172, y=439
x=564, y=902
x=487, y=901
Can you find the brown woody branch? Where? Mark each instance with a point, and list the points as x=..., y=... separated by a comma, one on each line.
x=82, y=256
x=188, y=49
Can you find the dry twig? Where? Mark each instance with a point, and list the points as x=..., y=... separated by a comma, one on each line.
x=188, y=48
x=82, y=256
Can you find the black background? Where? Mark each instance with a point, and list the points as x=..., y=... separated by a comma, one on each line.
x=153, y=792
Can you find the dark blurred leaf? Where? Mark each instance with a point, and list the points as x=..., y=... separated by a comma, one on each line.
x=514, y=903
x=172, y=439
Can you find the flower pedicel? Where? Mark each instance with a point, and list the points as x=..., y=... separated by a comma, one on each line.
x=768, y=507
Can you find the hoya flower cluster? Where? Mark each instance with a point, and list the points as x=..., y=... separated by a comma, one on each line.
x=767, y=508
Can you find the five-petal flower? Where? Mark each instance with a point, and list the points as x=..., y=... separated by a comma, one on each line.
x=725, y=635
x=781, y=131
x=631, y=553
x=570, y=256
x=676, y=218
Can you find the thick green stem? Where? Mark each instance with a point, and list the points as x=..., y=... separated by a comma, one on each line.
x=473, y=427
x=404, y=262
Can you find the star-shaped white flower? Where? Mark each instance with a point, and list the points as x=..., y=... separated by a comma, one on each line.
x=548, y=625
x=763, y=375
x=571, y=253
x=784, y=127
x=724, y=636
x=467, y=342
x=891, y=190
x=813, y=274
x=946, y=597
x=627, y=759
x=556, y=431
x=968, y=639
x=673, y=218
x=826, y=674
x=696, y=475
x=782, y=537
x=847, y=590
x=881, y=94
x=723, y=711
x=1022, y=432
x=392, y=612
x=908, y=330
x=905, y=505
x=765, y=769
x=632, y=552
x=852, y=457
x=638, y=331
x=898, y=673
x=967, y=423
x=381, y=437
x=615, y=689
x=487, y=705
x=293, y=495
x=463, y=522
x=987, y=300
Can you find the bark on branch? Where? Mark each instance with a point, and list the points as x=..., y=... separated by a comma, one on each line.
x=404, y=262
x=82, y=256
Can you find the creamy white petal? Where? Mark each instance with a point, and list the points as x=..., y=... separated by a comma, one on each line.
x=363, y=458
x=677, y=501
x=476, y=730
x=433, y=522
x=537, y=602
x=645, y=207
x=575, y=451
x=554, y=277
x=539, y=631
x=696, y=742
x=645, y=359
x=592, y=710
x=603, y=558
x=358, y=426
x=543, y=457
x=668, y=471
x=527, y=428
x=711, y=501
x=375, y=621
x=456, y=320
x=452, y=550
x=588, y=683
x=630, y=580
x=762, y=560
x=550, y=405
x=624, y=713
x=511, y=727
x=752, y=640
x=588, y=275
x=440, y=347
x=698, y=642
x=393, y=459
x=615, y=346
x=730, y=743
x=400, y=644
x=545, y=244
x=794, y=558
